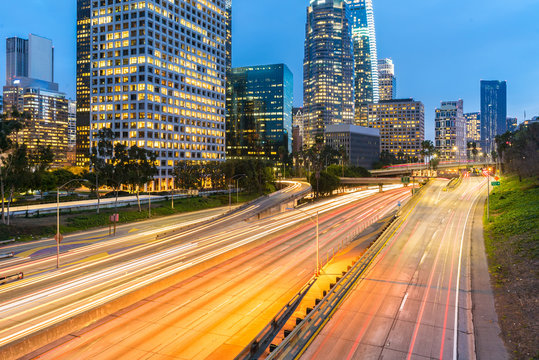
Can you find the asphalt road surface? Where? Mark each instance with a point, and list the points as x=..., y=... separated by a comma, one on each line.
x=414, y=302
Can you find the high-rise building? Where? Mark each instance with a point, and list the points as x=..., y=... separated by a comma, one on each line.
x=328, y=68
x=493, y=112
x=298, y=122
x=1, y=104
x=450, y=131
x=84, y=39
x=29, y=58
x=386, y=79
x=228, y=10
x=71, y=131
x=365, y=58
x=512, y=124
x=157, y=78
x=48, y=122
x=30, y=88
x=259, y=112
x=361, y=144
x=402, y=126
x=473, y=128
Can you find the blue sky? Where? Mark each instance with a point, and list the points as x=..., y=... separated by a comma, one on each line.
x=441, y=49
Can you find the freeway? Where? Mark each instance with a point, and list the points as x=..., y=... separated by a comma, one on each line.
x=209, y=315
x=414, y=301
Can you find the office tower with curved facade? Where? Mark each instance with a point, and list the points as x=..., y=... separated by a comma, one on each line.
x=157, y=78
x=328, y=68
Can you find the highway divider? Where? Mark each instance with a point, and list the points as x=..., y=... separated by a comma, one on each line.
x=304, y=333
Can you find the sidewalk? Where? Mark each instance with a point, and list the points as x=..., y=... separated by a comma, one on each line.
x=488, y=343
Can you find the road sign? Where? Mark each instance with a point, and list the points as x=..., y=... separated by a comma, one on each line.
x=495, y=183
x=496, y=178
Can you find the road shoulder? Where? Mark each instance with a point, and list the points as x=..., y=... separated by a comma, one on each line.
x=488, y=343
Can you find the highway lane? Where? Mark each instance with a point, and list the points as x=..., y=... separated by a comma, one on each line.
x=38, y=302
x=129, y=244
x=414, y=301
x=215, y=314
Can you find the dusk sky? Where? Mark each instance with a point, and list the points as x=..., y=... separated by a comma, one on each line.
x=441, y=49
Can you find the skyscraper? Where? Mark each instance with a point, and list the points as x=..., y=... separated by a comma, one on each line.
x=328, y=68
x=402, y=126
x=450, y=130
x=386, y=79
x=259, y=112
x=365, y=57
x=83, y=82
x=228, y=9
x=493, y=112
x=30, y=88
x=157, y=78
x=298, y=122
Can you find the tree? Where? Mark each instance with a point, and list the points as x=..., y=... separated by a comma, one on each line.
x=140, y=169
x=216, y=174
x=427, y=149
x=187, y=175
x=10, y=124
x=326, y=183
x=17, y=172
x=40, y=161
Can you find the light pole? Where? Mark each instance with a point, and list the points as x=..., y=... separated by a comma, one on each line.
x=238, y=176
x=310, y=217
x=58, y=235
x=237, y=186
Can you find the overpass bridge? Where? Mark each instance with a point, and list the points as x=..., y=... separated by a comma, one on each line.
x=406, y=169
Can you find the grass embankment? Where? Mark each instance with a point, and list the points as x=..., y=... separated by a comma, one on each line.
x=32, y=228
x=512, y=245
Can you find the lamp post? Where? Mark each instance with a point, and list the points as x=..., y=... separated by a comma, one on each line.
x=58, y=235
x=237, y=176
x=310, y=217
x=237, y=186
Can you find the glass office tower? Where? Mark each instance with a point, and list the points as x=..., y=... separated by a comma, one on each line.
x=328, y=68
x=386, y=79
x=259, y=112
x=493, y=112
x=365, y=58
x=83, y=83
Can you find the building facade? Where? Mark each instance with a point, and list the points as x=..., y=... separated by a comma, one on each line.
x=72, y=132
x=48, y=122
x=30, y=88
x=473, y=127
x=450, y=131
x=328, y=68
x=228, y=26
x=493, y=112
x=402, y=126
x=365, y=57
x=259, y=112
x=362, y=145
x=156, y=78
x=386, y=79
x=512, y=124
x=84, y=38
x=298, y=120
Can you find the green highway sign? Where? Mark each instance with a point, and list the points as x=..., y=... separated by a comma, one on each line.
x=495, y=183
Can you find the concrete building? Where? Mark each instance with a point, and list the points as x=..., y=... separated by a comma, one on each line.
x=71, y=132
x=365, y=58
x=450, y=131
x=362, y=144
x=259, y=112
x=402, y=126
x=328, y=68
x=30, y=88
x=156, y=77
x=386, y=79
x=493, y=112
x=473, y=127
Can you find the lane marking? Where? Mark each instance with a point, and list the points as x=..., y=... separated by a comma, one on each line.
x=403, y=302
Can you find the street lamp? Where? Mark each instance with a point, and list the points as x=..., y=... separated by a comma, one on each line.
x=58, y=235
x=310, y=217
x=237, y=186
x=230, y=189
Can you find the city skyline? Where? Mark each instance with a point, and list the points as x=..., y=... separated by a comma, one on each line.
x=456, y=76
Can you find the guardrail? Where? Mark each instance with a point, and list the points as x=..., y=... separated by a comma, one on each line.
x=299, y=339
x=261, y=342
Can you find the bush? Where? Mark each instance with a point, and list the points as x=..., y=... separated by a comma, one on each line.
x=325, y=185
